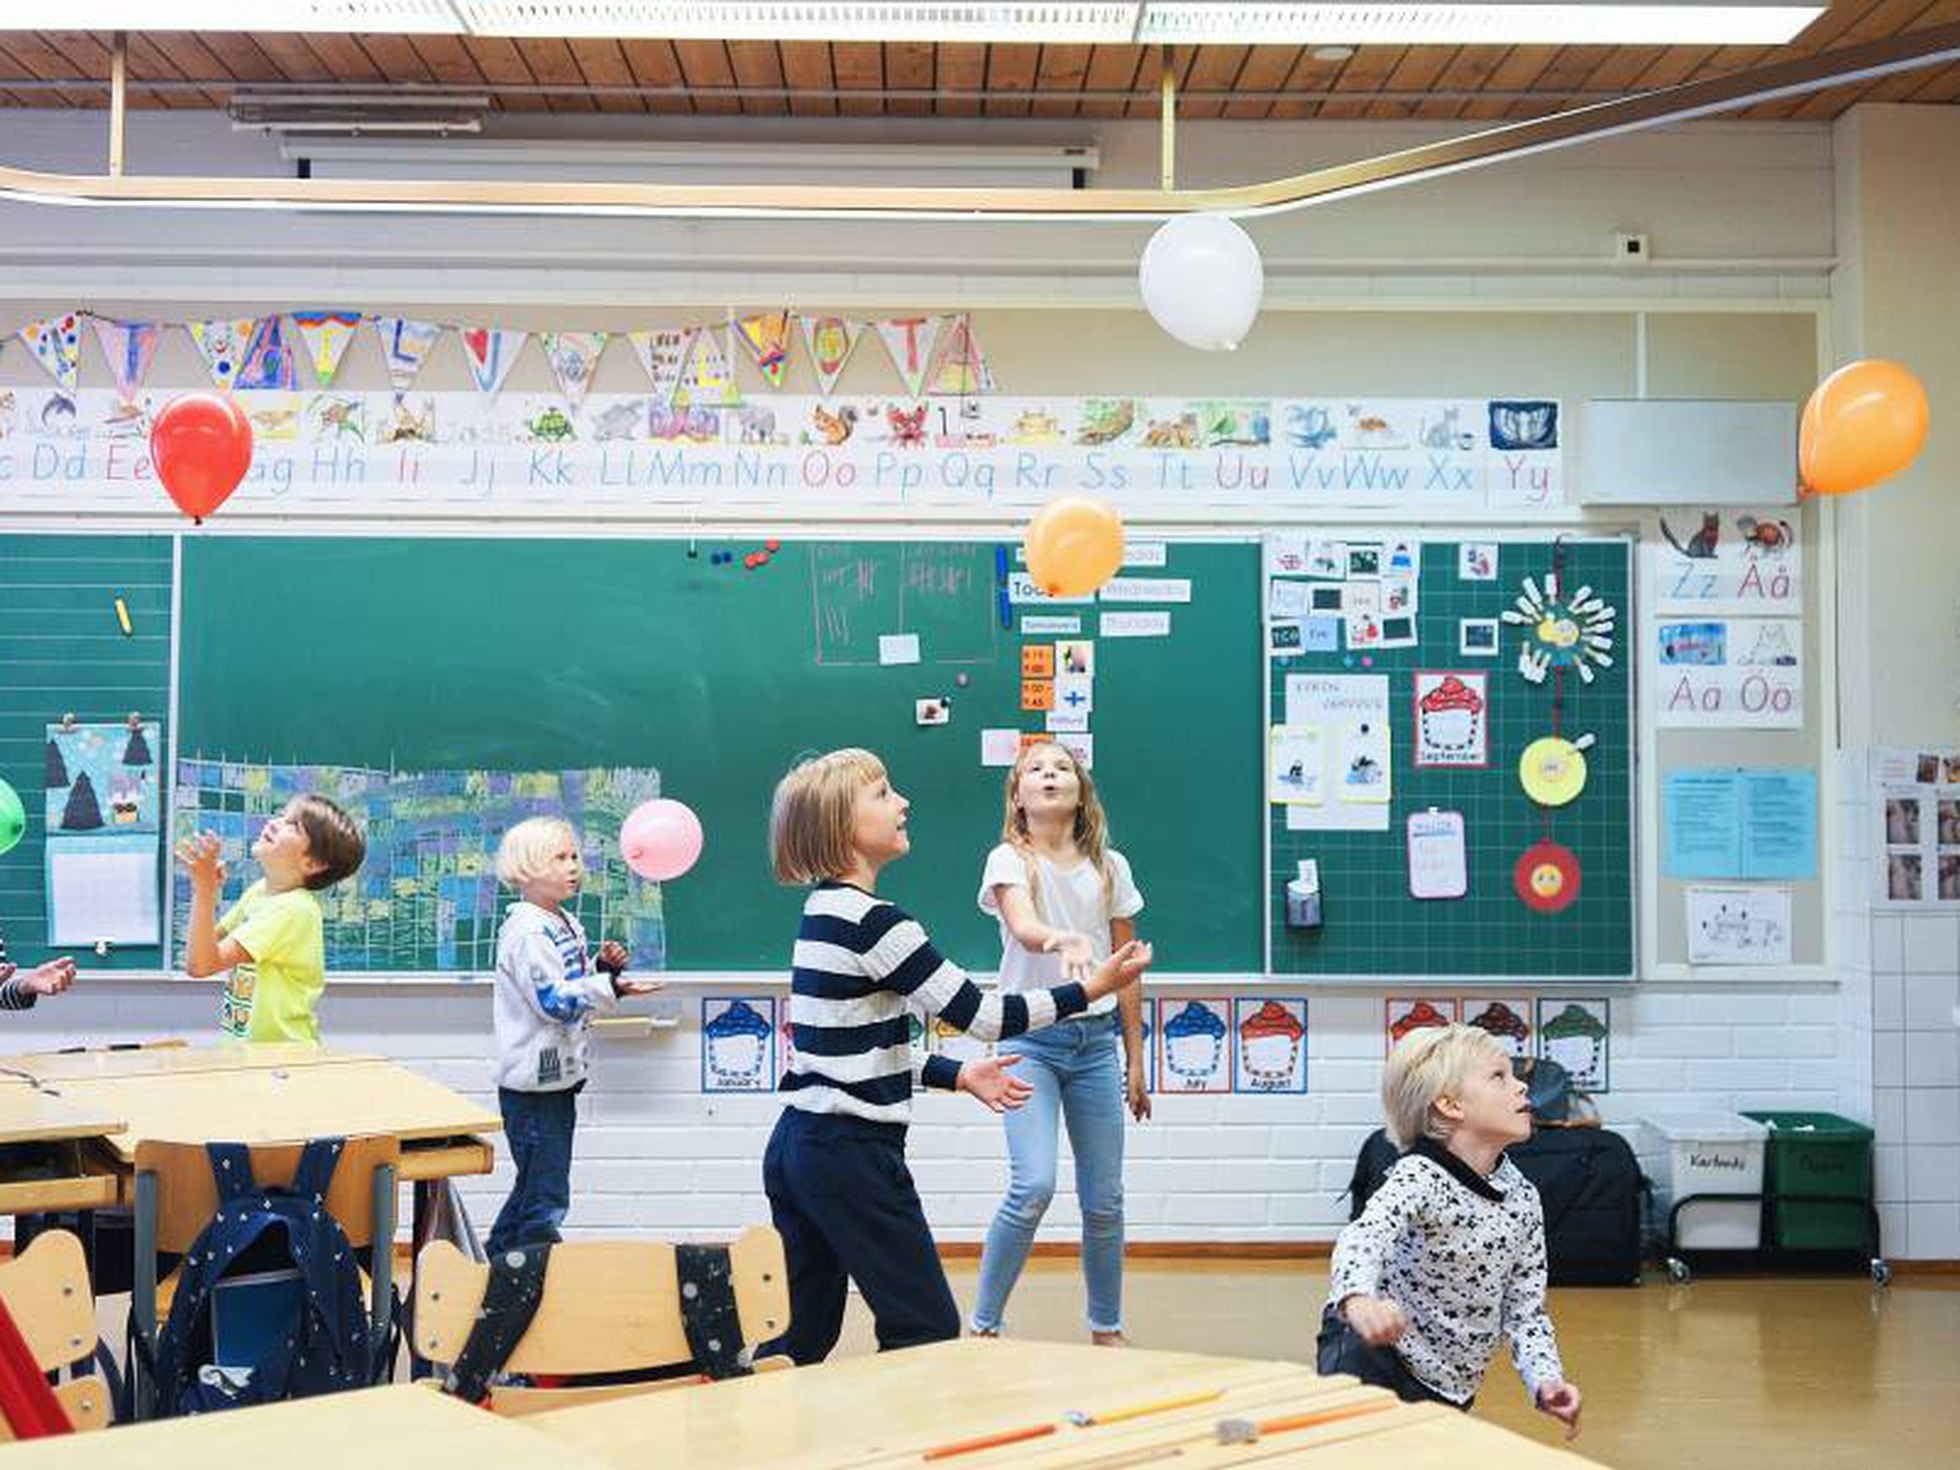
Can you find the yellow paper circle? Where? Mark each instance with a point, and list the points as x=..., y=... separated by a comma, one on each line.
x=1552, y=770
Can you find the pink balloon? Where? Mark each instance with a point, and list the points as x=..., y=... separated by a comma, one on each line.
x=660, y=839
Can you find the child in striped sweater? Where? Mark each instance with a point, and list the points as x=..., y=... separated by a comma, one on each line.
x=839, y=1190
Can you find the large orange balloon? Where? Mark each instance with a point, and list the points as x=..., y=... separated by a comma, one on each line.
x=1073, y=546
x=1866, y=421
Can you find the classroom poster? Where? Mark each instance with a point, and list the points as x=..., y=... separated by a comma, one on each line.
x=1738, y=926
x=1403, y=1014
x=1270, y=1052
x=1192, y=1050
x=738, y=1044
x=1728, y=562
x=1916, y=807
x=102, y=806
x=1578, y=1035
x=1351, y=713
x=1749, y=824
x=1505, y=1017
x=1728, y=673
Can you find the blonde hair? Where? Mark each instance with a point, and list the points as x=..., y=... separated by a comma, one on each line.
x=812, y=817
x=1091, y=832
x=1427, y=1064
x=528, y=848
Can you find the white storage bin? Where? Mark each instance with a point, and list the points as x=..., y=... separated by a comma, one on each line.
x=1708, y=1153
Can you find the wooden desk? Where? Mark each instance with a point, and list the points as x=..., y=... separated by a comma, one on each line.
x=47, y=1145
x=401, y=1425
x=144, y=1061
x=883, y=1412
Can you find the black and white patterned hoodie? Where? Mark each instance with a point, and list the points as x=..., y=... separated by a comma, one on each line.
x=1464, y=1257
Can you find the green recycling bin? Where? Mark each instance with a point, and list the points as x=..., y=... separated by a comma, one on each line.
x=1819, y=1154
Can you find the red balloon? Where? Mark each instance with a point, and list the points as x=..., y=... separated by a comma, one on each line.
x=201, y=445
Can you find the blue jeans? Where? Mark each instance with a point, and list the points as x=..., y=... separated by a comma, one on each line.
x=538, y=1126
x=1074, y=1070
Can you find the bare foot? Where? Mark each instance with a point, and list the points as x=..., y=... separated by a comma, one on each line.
x=1109, y=1339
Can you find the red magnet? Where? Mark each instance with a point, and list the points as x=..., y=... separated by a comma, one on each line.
x=1547, y=877
x=772, y=544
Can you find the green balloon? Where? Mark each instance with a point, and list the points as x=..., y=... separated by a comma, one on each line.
x=13, y=818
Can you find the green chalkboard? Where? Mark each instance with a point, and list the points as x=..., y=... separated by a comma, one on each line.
x=540, y=654
x=63, y=651
x=1370, y=923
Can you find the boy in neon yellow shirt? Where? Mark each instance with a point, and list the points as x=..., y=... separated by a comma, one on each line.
x=273, y=939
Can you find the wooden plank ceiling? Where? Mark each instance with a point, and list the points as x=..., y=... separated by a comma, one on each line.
x=764, y=78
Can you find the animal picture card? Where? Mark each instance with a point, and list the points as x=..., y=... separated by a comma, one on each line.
x=1298, y=765
x=738, y=1044
x=1271, y=1045
x=1405, y=1013
x=1728, y=561
x=1505, y=1017
x=1192, y=1055
x=1578, y=1035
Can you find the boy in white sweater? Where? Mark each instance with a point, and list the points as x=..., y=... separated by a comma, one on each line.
x=548, y=986
x=1449, y=1254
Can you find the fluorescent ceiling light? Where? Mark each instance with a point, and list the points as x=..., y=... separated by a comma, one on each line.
x=1494, y=22
x=1153, y=22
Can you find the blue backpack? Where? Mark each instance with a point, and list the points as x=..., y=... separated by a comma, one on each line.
x=327, y=1345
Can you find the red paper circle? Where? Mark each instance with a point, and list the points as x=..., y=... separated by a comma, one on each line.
x=1546, y=877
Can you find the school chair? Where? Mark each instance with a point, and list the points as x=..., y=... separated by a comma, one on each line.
x=45, y=1291
x=176, y=1196
x=606, y=1307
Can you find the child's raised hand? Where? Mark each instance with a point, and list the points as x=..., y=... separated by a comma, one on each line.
x=613, y=957
x=1121, y=969
x=1561, y=1401
x=1078, y=955
x=49, y=979
x=1376, y=1320
x=201, y=855
x=988, y=1079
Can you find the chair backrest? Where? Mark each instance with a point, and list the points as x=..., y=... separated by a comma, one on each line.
x=187, y=1195
x=611, y=1306
x=46, y=1289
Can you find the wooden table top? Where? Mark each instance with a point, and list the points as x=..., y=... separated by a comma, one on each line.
x=28, y=1115
x=886, y=1411
x=398, y=1425
x=144, y=1061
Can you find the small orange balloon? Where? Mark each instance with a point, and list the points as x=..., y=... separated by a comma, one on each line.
x=1865, y=422
x=1073, y=546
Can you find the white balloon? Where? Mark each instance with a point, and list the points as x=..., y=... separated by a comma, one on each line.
x=1202, y=281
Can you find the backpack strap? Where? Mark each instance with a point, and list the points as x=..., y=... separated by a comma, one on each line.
x=708, y=1312
x=510, y=1301
x=317, y=1161
x=231, y=1167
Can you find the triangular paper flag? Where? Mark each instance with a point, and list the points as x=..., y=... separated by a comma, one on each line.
x=128, y=346
x=664, y=355
x=766, y=335
x=326, y=335
x=961, y=368
x=909, y=340
x=404, y=343
x=492, y=353
x=707, y=381
x=268, y=358
x=57, y=346
x=830, y=340
x=574, y=358
x=222, y=342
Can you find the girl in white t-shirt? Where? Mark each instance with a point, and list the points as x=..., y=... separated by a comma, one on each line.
x=1064, y=898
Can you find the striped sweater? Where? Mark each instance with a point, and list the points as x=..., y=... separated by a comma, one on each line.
x=14, y=996
x=859, y=961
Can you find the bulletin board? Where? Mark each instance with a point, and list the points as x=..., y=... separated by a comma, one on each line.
x=1370, y=925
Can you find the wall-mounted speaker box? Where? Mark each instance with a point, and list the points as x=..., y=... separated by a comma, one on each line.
x=1689, y=451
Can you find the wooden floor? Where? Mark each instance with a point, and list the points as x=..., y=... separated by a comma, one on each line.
x=1732, y=1373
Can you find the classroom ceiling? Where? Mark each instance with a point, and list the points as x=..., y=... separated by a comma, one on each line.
x=69, y=69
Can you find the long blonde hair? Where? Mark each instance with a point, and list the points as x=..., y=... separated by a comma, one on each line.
x=1091, y=832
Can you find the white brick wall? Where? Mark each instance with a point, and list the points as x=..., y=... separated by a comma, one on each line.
x=654, y=1153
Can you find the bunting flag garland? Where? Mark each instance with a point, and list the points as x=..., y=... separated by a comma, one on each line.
x=664, y=354
x=326, y=334
x=268, y=361
x=961, y=368
x=492, y=352
x=909, y=340
x=57, y=346
x=766, y=335
x=222, y=342
x=129, y=348
x=405, y=341
x=574, y=358
x=707, y=381
x=830, y=341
